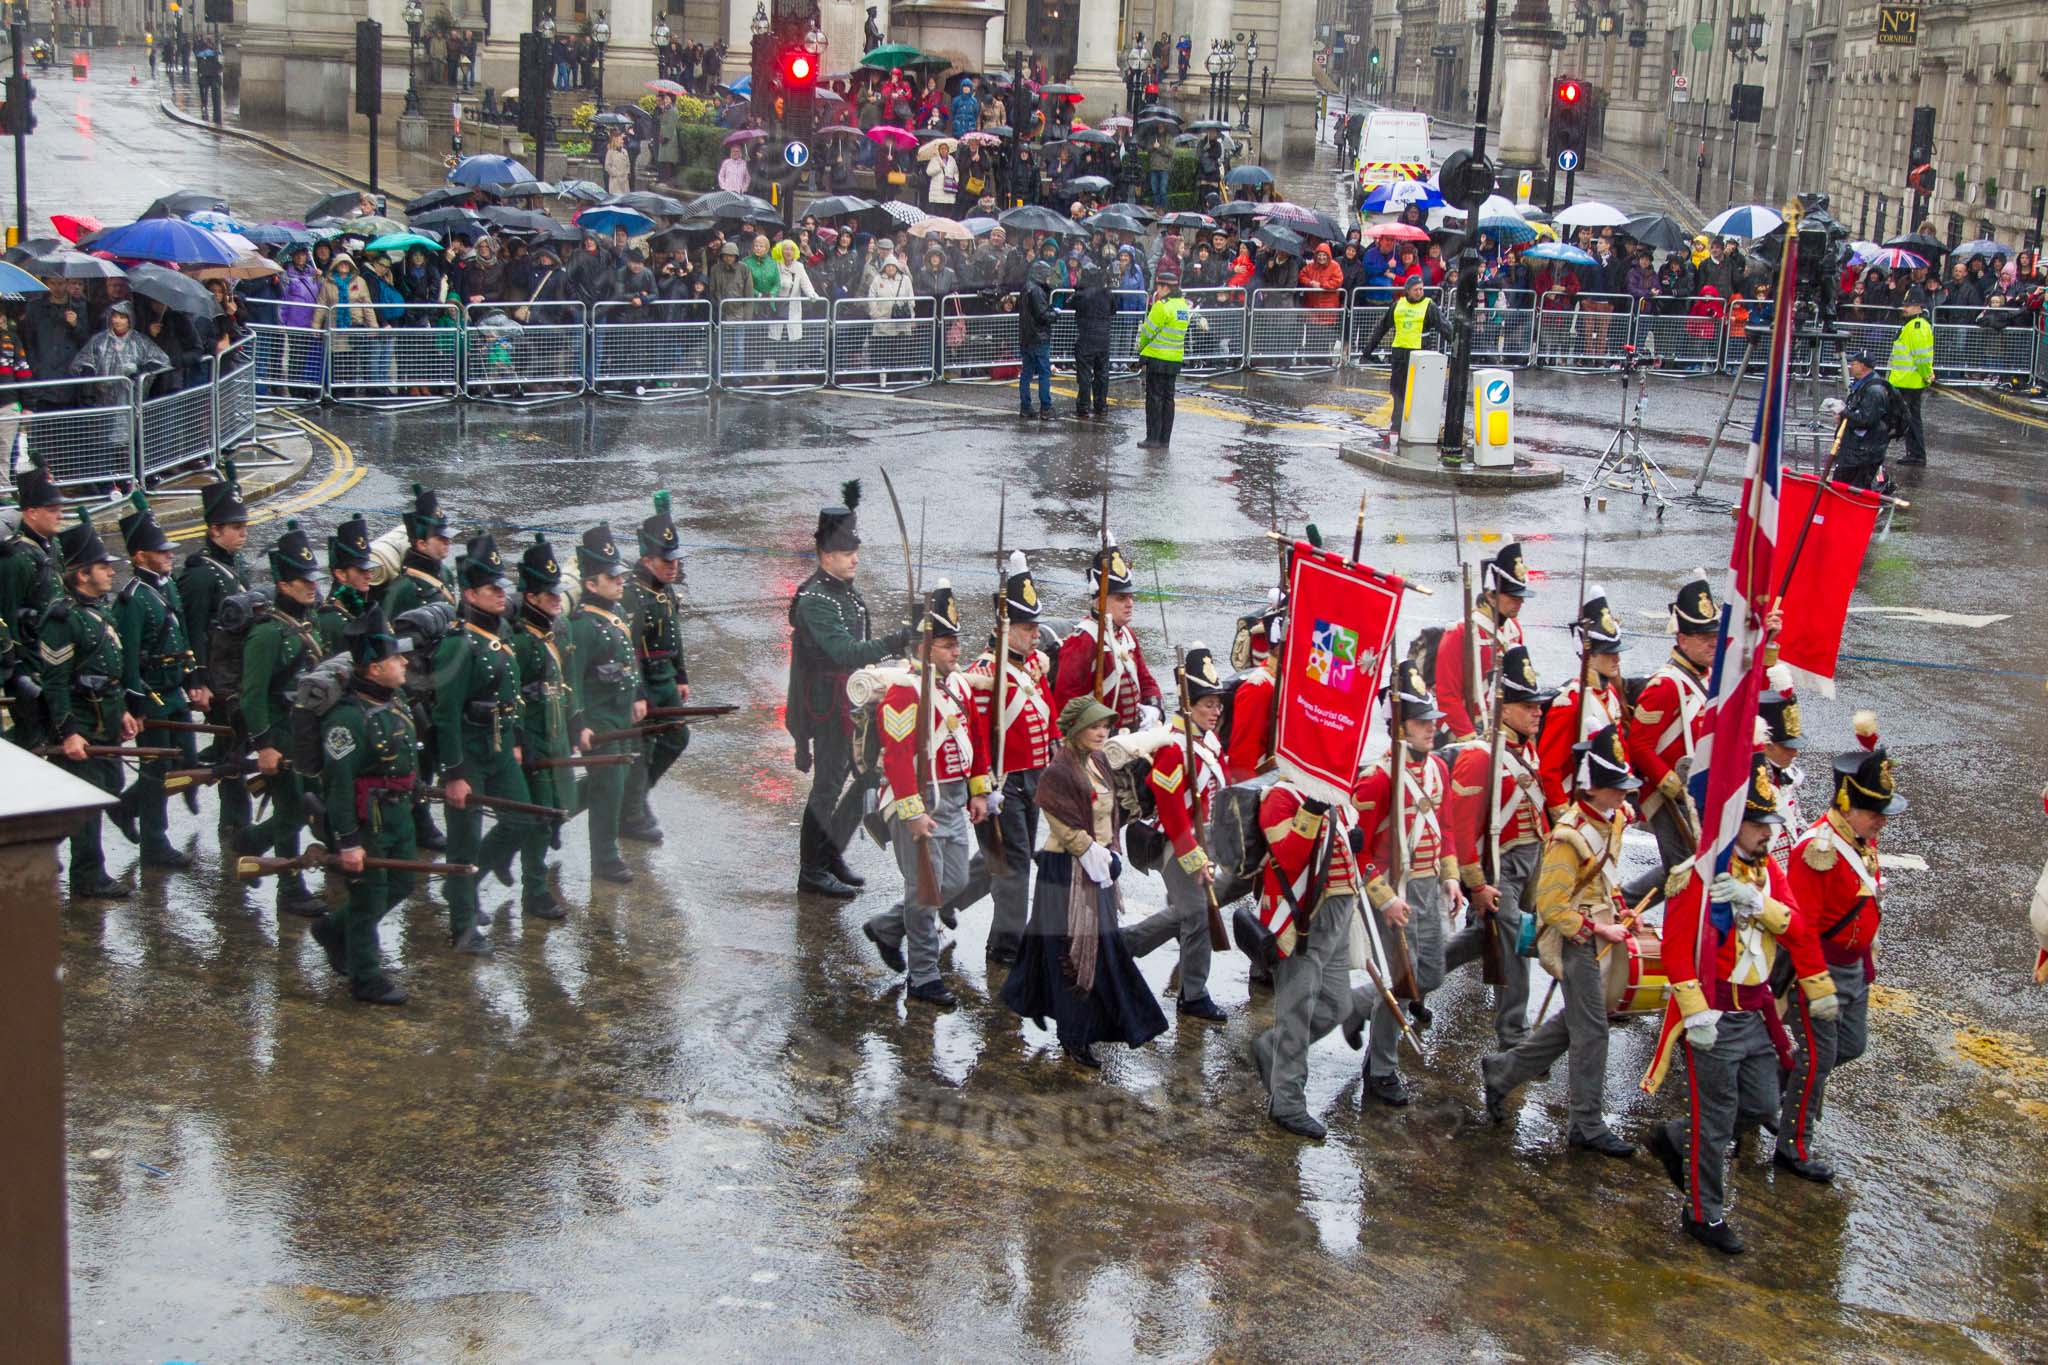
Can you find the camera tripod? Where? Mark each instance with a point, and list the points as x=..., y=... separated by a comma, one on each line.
x=1623, y=465
x=1805, y=423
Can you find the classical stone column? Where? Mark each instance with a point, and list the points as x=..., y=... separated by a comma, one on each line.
x=1098, y=66
x=1524, y=115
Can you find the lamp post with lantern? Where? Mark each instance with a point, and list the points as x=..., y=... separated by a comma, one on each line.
x=659, y=38
x=414, y=15
x=601, y=34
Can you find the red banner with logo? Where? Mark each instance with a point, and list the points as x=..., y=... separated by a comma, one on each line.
x=1340, y=627
x=1817, y=598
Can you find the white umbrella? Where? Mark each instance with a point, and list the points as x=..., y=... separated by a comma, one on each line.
x=1591, y=213
x=1744, y=220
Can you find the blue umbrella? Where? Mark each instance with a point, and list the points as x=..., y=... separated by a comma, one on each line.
x=743, y=87
x=608, y=216
x=1983, y=246
x=488, y=170
x=1248, y=175
x=1559, y=251
x=277, y=234
x=1396, y=195
x=16, y=283
x=171, y=240
x=1508, y=231
x=1744, y=220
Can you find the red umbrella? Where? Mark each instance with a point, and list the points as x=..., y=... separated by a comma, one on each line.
x=889, y=132
x=1400, y=232
x=665, y=87
x=72, y=226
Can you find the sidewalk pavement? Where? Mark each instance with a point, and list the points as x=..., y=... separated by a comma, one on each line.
x=345, y=157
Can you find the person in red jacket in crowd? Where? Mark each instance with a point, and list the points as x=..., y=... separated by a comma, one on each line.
x=1126, y=684
x=1503, y=587
x=1255, y=702
x=1664, y=732
x=1413, y=887
x=1583, y=708
x=1836, y=880
x=1741, y=921
x=1182, y=800
x=934, y=829
x=1497, y=863
x=1029, y=731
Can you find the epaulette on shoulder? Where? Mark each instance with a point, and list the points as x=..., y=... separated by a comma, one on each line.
x=1820, y=854
x=1678, y=880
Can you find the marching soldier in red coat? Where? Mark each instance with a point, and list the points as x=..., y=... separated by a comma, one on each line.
x=1308, y=894
x=1670, y=716
x=1836, y=880
x=1182, y=799
x=1029, y=731
x=1254, y=705
x=934, y=828
x=1778, y=716
x=1126, y=684
x=1413, y=887
x=1747, y=915
x=1503, y=587
x=1580, y=709
x=1498, y=864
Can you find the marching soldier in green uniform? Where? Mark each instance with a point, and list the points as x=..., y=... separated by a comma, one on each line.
x=348, y=561
x=423, y=577
x=544, y=694
x=163, y=679
x=650, y=604
x=212, y=574
x=80, y=649
x=29, y=577
x=606, y=689
x=477, y=737
x=369, y=763
x=281, y=645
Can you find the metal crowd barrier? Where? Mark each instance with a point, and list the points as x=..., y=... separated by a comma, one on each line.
x=1285, y=335
x=1968, y=352
x=524, y=354
x=1124, y=325
x=291, y=353
x=651, y=353
x=413, y=356
x=884, y=343
x=978, y=344
x=81, y=430
x=1216, y=332
x=1368, y=306
x=1505, y=327
x=774, y=345
x=234, y=395
x=1679, y=341
x=1583, y=332
x=177, y=429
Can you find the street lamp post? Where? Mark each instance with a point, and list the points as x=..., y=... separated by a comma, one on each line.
x=601, y=34
x=414, y=14
x=1213, y=64
x=1244, y=103
x=1134, y=70
x=660, y=39
x=537, y=104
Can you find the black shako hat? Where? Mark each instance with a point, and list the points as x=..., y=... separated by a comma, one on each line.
x=836, y=528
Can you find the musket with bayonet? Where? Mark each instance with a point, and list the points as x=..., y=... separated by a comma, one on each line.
x=1102, y=646
x=499, y=803
x=999, y=720
x=316, y=855
x=920, y=617
x=1219, y=938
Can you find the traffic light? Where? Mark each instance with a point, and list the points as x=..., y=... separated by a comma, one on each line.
x=18, y=113
x=798, y=68
x=1373, y=57
x=1567, y=115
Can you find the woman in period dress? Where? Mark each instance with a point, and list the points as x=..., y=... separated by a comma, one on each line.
x=1074, y=965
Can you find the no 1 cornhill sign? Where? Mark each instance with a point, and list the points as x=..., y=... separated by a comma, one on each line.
x=1898, y=25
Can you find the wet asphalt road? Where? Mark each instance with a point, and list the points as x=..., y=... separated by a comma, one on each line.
x=698, y=1119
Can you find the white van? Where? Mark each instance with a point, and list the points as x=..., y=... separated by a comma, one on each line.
x=1395, y=147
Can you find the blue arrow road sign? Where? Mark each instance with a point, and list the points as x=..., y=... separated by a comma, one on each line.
x=1567, y=160
x=797, y=154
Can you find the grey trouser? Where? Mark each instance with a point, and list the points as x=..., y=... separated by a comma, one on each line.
x=1310, y=988
x=1511, y=997
x=1675, y=845
x=1010, y=889
x=1425, y=935
x=1735, y=1082
x=1185, y=917
x=1581, y=1027
x=1823, y=1045
x=916, y=927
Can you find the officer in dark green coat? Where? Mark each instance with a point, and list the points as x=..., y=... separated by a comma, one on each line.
x=80, y=649
x=212, y=574
x=477, y=736
x=163, y=679
x=369, y=764
x=650, y=606
x=281, y=645
x=30, y=580
x=828, y=624
x=423, y=577
x=348, y=562
x=537, y=646
x=607, y=694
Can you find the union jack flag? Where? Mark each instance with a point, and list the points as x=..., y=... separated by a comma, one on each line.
x=1721, y=760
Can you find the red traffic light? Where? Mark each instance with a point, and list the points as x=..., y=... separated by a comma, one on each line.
x=1568, y=92
x=798, y=69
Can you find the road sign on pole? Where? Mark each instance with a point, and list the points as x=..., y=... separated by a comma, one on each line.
x=796, y=154
x=1567, y=160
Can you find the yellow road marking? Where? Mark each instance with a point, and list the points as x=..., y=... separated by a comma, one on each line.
x=344, y=475
x=1995, y=410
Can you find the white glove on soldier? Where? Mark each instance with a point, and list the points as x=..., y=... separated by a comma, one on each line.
x=1744, y=901
x=995, y=801
x=1827, y=1009
x=1095, y=862
x=1702, y=1030
x=1150, y=717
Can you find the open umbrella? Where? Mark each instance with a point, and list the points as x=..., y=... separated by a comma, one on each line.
x=1086, y=184
x=1897, y=258
x=1185, y=219
x=1001, y=132
x=1590, y=213
x=745, y=135
x=72, y=226
x=609, y=120
x=434, y=199
x=1983, y=246
x=1396, y=232
x=905, y=214
x=1060, y=91
x=938, y=147
x=1279, y=239
x=666, y=87
x=1116, y=124
x=1208, y=125
x=742, y=86
x=1034, y=218
x=1159, y=111
x=1239, y=208
x=214, y=221
x=404, y=241
x=1307, y=221
x=340, y=204
x=172, y=290
x=1095, y=137
x=162, y=239
x=1659, y=232
x=1395, y=195
x=1108, y=221
x=17, y=284
x=609, y=217
x=450, y=221
x=890, y=135
x=508, y=219
x=842, y=130
x=941, y=227
x=48, y=258
x=891, y=54
x=581, y=191
x=978, y=138
x=1744, y=220
x=278, y=235
x=840, y=206
x=1242, y=176
x=1137, y=211
x=179, y=203
x=372, y=225
x=656, y=205
x=487, y=170
x=248, y=266
x=716, y=204
x=979, y=226
x=1559, y=251
x=931, y=60
x=1919, y=243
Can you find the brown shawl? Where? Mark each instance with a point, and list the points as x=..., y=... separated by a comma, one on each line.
x=1065, y=793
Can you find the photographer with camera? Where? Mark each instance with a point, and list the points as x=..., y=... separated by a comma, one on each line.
x=1866, y=424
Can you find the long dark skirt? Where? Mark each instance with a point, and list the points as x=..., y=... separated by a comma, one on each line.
x=1120, y=1008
